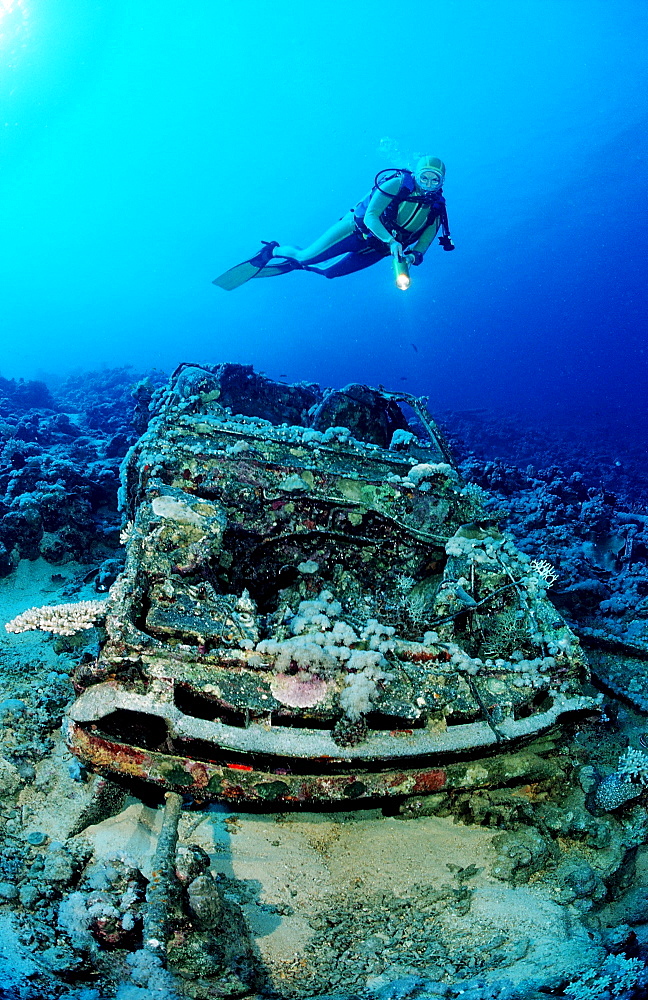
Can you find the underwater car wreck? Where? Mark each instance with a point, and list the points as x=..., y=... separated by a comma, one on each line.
x=314, y=608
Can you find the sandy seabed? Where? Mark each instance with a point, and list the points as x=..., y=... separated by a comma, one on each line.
x=343, y=902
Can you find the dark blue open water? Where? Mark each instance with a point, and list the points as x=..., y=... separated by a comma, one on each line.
x=147, y=147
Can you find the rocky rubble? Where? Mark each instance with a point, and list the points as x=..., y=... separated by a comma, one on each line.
x=570, y=839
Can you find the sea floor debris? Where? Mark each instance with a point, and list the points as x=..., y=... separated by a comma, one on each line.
x=525, y=876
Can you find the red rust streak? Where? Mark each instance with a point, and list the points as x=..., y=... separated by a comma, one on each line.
x=417, y=655
x=103, y=748
x=430, y=781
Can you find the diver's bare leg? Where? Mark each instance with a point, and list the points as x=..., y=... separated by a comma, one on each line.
x=341, y=229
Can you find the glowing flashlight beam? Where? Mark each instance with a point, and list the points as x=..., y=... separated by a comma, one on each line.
x=401, y=273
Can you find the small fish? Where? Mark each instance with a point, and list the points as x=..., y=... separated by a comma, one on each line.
x=415, y=348
x=403, y=378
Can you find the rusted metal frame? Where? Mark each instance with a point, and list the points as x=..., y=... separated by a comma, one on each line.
x=428, y=422
x=220, y=782
x=470, y=610
x=403, y=664
x=417, y=534
x=423, y=536
x=480, y=701
x=326, y=532
x=163, y=891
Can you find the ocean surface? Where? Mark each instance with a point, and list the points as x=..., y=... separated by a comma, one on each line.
x=146, y=148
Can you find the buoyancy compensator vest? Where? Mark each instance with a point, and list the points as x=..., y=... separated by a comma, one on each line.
x=434, y=201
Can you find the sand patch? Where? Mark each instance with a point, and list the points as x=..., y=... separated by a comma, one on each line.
x=296, y=867
x=131, y=836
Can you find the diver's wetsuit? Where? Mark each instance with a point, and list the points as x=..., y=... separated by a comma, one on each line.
x=360, y=238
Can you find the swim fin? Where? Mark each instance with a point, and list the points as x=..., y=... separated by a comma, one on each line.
x=279, y=265
x=241, y=273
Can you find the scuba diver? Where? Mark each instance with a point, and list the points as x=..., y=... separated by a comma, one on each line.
x=400, y=217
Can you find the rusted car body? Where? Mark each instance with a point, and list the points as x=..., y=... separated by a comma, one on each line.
x=314, y=606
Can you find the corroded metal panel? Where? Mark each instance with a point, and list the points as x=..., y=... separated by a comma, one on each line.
x=314, y=594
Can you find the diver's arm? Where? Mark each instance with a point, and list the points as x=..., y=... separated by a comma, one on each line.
x=425, y=239
x=377, y=206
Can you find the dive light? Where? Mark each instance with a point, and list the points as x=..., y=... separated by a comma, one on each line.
x=401, y=271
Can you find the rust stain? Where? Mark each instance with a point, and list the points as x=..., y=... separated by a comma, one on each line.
x=212, y=782
x=105, y=752
x=429, y=781
x=199, y=772
x=417, y=655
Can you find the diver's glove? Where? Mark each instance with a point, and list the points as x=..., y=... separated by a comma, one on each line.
x=414, y=257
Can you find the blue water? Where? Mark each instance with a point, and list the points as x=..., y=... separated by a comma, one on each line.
x=148, y=147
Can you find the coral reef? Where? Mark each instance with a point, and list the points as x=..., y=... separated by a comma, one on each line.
x=587, y=516
x=60, y=451
x=468, y=623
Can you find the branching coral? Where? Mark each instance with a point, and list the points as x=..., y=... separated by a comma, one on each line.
x=505, y=630
x=544, y=569
x=62, y=619
x=634, y=765
x=616, y=977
